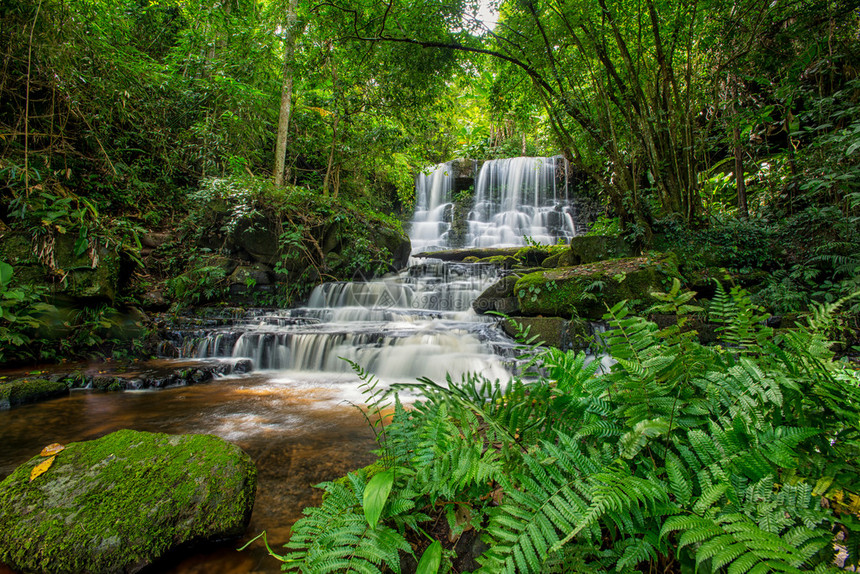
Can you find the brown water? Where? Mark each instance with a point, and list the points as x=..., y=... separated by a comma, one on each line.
x=297, y=428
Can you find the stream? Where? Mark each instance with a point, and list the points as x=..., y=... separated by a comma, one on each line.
x=293, y=413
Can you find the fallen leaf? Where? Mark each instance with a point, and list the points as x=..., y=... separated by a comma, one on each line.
x=41, y=468
x=52, y=449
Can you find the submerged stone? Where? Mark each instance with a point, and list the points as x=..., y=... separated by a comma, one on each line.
x=118, y=503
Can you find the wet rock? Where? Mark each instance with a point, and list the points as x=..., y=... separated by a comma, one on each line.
x=109, y=383
x=240, y=367
x=30, y=390
x=479, y=252
x=551, y=331
x=499, y=297
x=119, y=503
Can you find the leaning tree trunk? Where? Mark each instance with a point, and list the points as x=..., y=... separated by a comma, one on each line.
x=286, y=95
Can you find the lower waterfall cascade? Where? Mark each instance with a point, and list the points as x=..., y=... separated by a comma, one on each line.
x=418, y=323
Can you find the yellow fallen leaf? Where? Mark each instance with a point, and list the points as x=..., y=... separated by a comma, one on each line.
x=52, y=449
x=41, y=468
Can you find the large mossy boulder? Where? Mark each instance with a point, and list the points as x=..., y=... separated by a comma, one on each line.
x=119, y=503
x=586, y=290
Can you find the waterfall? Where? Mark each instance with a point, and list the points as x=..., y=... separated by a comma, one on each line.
x=418, y=323
x=521, y=197
x=432, y=220
x=513, y=199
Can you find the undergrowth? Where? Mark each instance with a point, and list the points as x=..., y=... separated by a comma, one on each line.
x=739, y=457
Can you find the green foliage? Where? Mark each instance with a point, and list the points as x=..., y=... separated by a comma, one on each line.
x=682, y=456
x=21, y=310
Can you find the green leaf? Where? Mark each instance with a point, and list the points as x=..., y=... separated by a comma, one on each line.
x=376, y=494
x=431, y=559
x=5, y=273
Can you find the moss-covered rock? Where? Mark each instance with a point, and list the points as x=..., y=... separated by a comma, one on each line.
x=533, y=255
x=551, y=331
x=396, y=242
x=77, y=276
x=118, y=503
x=586, y=290
x=587, y=249
x=479, y=252
x=503, y=261
x=30, y=390
x=551, y=261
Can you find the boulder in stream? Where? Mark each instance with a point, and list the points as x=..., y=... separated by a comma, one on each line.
x=121, y=502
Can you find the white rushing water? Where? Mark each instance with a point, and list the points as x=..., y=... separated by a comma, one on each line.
x=513, y=199
x=431, y=222
x=418, y=323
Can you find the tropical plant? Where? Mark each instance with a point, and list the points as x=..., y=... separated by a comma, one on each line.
x=739, y=457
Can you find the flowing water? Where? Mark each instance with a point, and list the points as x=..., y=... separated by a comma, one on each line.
x=292, y=413
x=514, y=199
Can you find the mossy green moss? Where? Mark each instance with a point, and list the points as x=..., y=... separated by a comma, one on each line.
x=587, y=249
x=118, y=503
x=586, y=290
x=23, y=391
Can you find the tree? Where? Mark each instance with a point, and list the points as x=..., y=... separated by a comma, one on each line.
x=290, y=33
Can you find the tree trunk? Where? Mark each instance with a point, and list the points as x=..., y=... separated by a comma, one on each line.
x=743, y=211
x=286, y=96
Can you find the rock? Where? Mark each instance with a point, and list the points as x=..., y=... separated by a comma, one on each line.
x=586, y=290
x=23, y=391
x=462, y=254
x=533, y=255
x=594, y=248
x=73, y=276
x=498, y=297
x=259, y=238
x=119, y=503
x=503, y=261
x=155, y=240
x=551, y=331
x=154, y=300
x=397, y=243
x=551, y=261
x=251, y=275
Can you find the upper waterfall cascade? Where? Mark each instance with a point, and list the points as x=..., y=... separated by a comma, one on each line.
x=510, y=199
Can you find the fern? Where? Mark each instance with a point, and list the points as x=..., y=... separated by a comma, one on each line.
x=335, y=537
x=681, y=457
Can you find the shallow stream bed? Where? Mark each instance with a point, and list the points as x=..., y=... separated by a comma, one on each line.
x=297, y=427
